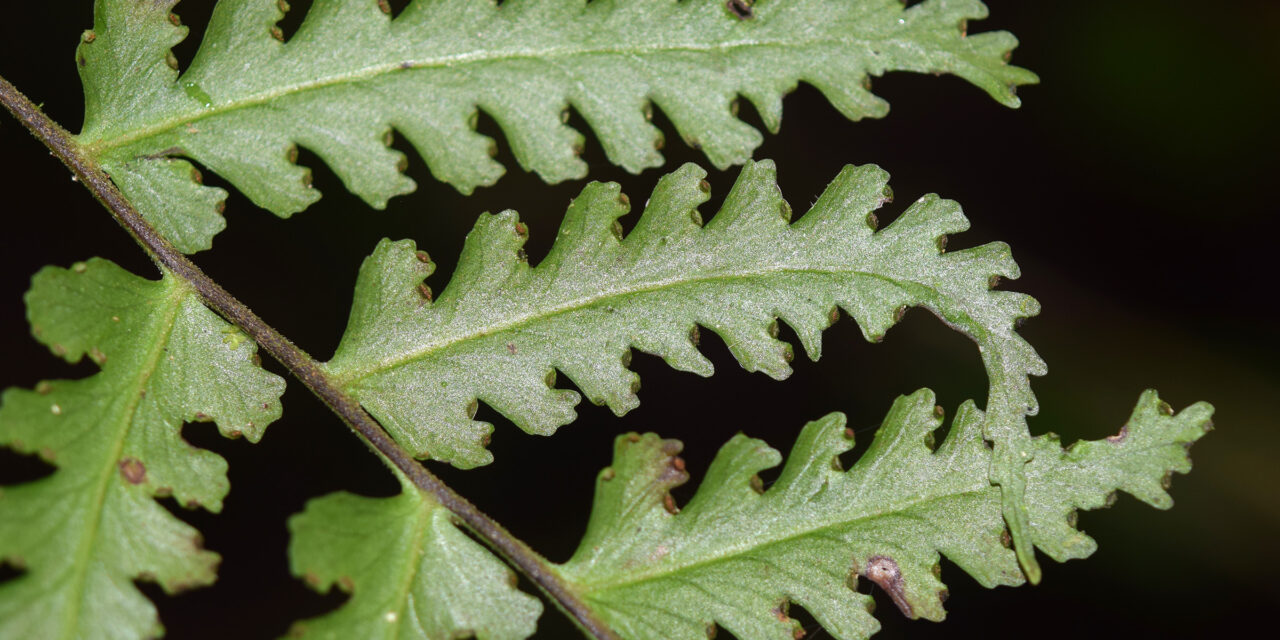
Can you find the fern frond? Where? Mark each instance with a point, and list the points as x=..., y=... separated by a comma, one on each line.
x=737, y=555
x=352, y=74
x=86, y=532
x=410, y=572
x=501, y=329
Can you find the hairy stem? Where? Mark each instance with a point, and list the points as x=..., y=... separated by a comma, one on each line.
x=301, y=365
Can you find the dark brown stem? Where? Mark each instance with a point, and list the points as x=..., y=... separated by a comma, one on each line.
x=301, y=365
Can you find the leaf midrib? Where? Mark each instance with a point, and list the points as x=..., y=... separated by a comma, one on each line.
x=352, y=376
x=667, y=571
x=100, y=146
x=161, y=331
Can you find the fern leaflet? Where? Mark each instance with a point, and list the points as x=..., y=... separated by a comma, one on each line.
x=352, y=74
x=737, y=555
x=84, y=533
x=410, y=572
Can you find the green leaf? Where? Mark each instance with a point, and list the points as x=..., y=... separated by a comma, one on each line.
x=737, y=555
x=501, y=329
x=352, y=74
x=410, y=572
x=86, y=532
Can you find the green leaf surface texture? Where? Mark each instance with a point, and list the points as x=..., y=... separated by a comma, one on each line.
x=84, y=533
x=352, y=74
x=737, y=555
x=501, y=329
x=410, y=572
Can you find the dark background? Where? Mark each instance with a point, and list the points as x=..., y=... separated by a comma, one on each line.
x=1134, y=185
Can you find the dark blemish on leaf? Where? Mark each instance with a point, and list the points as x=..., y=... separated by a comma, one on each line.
x=669, y=503
x=579, y=146
x=1005, y=540
x=235, y=433
x=1111, y=499
x=522, y=230
x=633, y=438
x=283, y=5
x=133, y=471
x=780, y=612
x=81, y=61
x=1166, y=480
x=1073, y=518
x=899, y=313
x=277, y=33
x=942, y=244
x=694, y=336
x=89, y=36
x=44, y=387
x=938, y=411
x=196, y=176
x=202, y=416
x=409, y=65
x=522, y=255
x=1119, y=437
x=678, y=463
x=385, y=6
x=425, y=292
x=884, y=571
x=511, y=348
x=624, y=200
x=834, y=315
x=873, y=222
x=256, y=360
x=697, y=145
x=711, y=631
x=993, y=282
x=266, y=406
x=423, y=257
x=741, y=9
x=756, y=484
x=849, y=434
x=175, y=20
x=886, y=194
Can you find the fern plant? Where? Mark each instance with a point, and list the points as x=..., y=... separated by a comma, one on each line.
x=413, y=365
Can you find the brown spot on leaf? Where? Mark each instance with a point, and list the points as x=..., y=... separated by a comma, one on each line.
x=90, y=36
x=1119, y=437
x=425, y=292
x=311, y=579
x=884, y=571
x=511, y=348
x=669, y=503
x=385, y=6
x=741, y=9
x=423, y=257
x=133, y=471
x=44, y=387
x=345, y=583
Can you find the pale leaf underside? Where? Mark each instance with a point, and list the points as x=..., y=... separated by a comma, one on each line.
x=501, y=329
x=352, y=74
x=736, y=555
x=83, y=534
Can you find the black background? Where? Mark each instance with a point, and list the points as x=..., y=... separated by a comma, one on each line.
x=1134, y=185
